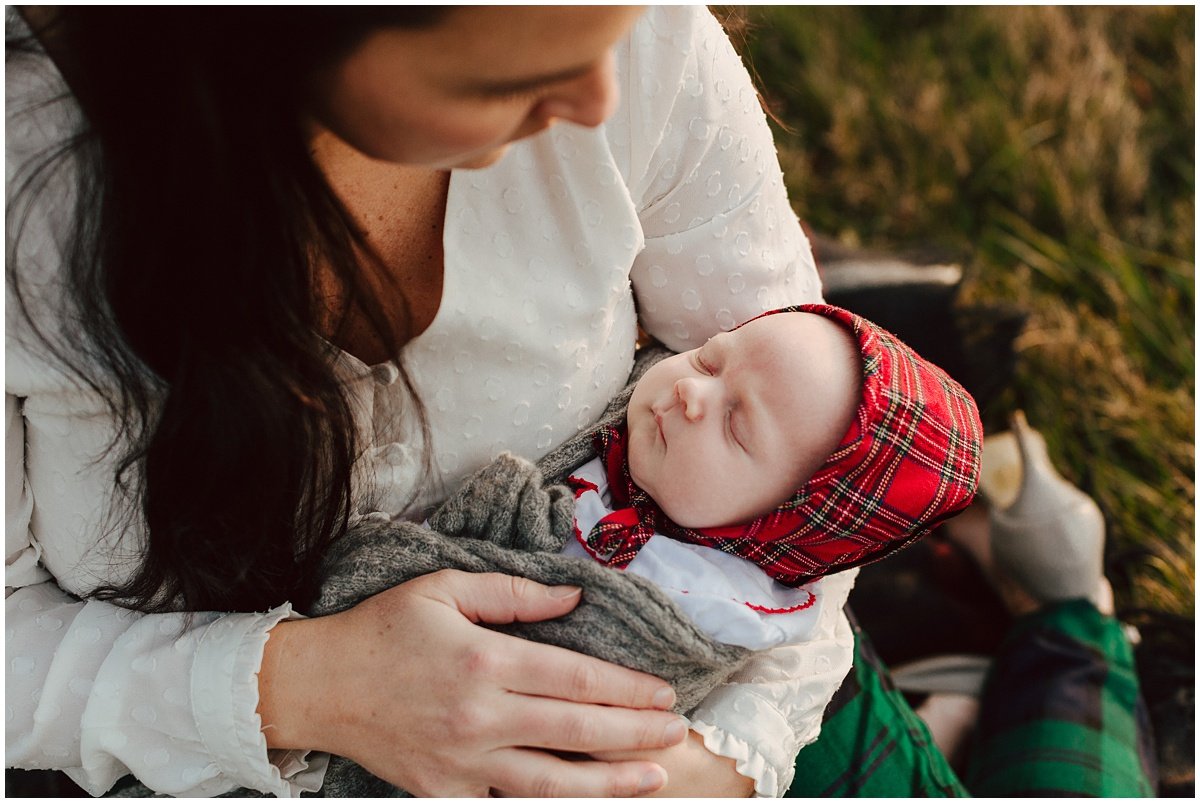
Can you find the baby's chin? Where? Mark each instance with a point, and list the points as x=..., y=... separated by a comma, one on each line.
x=695, y=512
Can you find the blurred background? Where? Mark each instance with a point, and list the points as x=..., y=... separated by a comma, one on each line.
x=1049, y=152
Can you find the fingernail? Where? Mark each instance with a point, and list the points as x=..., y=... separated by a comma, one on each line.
x=664, y=697
x=652, y=780
x=675, y=732
x=560, y=592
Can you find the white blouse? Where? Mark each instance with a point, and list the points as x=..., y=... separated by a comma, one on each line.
x=672, y=214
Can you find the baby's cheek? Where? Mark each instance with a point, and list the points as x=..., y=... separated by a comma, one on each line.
x=639, y=465
x=693, y=501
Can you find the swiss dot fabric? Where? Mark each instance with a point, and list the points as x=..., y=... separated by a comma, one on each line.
x=671, y=214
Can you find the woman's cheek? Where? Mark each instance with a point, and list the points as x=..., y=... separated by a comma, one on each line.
x=468, y=132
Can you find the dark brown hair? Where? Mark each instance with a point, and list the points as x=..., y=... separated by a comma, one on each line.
x=200, y=219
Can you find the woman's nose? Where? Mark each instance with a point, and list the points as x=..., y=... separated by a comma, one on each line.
x=589, y=99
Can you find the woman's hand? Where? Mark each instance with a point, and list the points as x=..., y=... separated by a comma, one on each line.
x=691, y=769
x=406, y=685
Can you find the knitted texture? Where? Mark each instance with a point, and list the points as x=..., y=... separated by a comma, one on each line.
x=622, y=618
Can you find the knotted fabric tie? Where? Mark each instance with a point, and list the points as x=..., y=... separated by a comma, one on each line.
x=616, y=539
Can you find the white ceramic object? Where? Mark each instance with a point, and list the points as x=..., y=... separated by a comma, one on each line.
x=1050, y=538
x=1000, y=470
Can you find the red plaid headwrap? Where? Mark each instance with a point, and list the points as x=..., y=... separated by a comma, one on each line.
x=909, y=460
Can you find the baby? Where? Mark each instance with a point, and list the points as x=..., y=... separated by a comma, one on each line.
x=698, y=490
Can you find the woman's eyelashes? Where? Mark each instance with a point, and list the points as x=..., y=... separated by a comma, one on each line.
x=514, y=95
x=526, y=90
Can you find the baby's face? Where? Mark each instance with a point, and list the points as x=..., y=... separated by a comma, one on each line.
x=727, y=432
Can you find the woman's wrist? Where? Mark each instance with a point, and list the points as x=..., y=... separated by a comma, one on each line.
x=692, y=770
x=703, y=772
x=288, y=690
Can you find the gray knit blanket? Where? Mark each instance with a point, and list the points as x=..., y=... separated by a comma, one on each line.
x=512, y=517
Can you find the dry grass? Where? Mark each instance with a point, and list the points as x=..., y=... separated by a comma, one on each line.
x=1052, y=150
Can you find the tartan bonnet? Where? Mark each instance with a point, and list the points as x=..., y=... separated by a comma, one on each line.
x=909, y=460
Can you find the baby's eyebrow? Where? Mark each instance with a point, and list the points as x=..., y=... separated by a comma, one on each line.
x=717, y=342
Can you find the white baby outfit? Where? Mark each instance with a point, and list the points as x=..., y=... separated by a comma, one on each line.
x=729, y=598
x=672, y=215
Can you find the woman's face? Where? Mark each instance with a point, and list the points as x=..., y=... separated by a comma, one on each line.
x=457, y=93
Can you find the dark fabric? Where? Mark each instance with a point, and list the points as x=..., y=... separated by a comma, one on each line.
x=1061, y=716
x=872, y=744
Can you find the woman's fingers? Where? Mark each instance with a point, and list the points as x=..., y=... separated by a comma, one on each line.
x=548, y=671
x=558, y=725
x=498, y=598
x=529, y=773
x=538, y=669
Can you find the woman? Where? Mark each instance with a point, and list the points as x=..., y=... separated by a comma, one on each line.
x=256, y=212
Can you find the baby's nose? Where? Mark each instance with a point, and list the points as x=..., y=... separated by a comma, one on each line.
x=692, y=394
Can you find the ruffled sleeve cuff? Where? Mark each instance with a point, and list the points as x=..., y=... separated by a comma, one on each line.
x=768, y=761
x=749, y=762
x=225, y=701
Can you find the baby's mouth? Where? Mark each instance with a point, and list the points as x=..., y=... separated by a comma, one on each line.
x=658, y=419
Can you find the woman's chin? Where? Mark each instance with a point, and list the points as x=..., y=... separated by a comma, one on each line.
x=482, y=160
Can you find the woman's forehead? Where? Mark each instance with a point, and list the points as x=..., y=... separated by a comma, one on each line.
x=516, y=44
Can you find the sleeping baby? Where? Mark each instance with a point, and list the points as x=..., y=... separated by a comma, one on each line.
x=804, y=442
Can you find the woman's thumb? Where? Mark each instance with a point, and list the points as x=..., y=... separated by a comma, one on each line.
x=500, y=598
